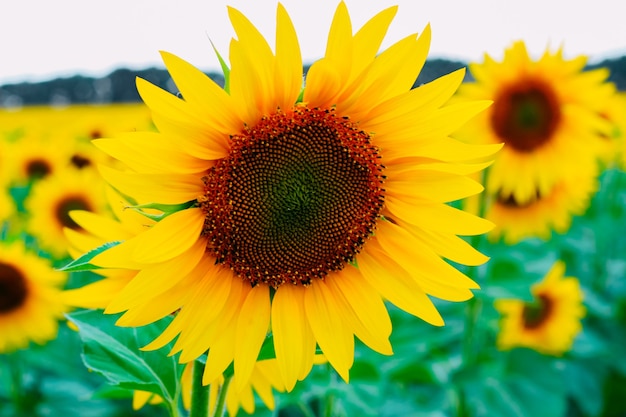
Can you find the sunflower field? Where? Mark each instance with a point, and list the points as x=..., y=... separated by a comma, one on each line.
x=332, y=243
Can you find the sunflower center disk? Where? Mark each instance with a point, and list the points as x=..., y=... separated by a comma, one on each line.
x=37, y=169
x=13, y=290
x=63, y=208
x=296, y=198
x=526, y=115
x=533, y=315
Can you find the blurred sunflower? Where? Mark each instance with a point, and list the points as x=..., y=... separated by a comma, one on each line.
x=544, y=214
x=83, y=155
x=615, y=142
x=550, y=322
x=50, y=201
x=30, y=305
x=34, y=158
x=97, y=121
x=546, y=111
x=296, y=209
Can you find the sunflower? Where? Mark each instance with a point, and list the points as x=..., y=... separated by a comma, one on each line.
x=548, y=114
x=615, y=142
x=96, y=121
x=34, y=158
x=551, y=212
x=30, y=305
x=50, y=201
x=550, y=322
x=296, y=209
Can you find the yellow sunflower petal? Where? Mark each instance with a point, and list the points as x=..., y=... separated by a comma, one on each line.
x=368, y=39
x=289, y=328
x=396, y=285
x=447, y=245
x=438, y=217
x=252, y=70
x=144, y=153
x=99, y=226
x=95, y=295
x=288, y=61
x=336, y=341
x=364, y=309
x=221, y=354
x=401, y=62
x=173, y=116
x=157, y=279
x=433, y=274
x=203, y=93
x=252, y=327
x=406, y=105
x=219, y=290
x=170, y=237
x=150, y=188
x=419, y=186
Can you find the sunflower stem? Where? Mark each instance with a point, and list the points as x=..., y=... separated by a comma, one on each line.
x=221, y=399
x=16, y=380
x=473, y=307
x=328, y=410
x=199, y=393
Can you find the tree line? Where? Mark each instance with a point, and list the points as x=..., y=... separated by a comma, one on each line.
x=119, y=85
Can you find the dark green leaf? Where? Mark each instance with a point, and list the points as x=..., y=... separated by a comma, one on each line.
x=115, y=353
x=82, y=263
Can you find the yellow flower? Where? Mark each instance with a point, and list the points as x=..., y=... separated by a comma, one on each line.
x=50, y=201
x=34, y=158
x=546, y=111
x=30, y=305
x=87, y=122
x=300, y=210
x=615, y=142
x=550, y=322
x=543, y=215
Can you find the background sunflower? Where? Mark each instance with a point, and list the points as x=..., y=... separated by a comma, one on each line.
x=30, y=305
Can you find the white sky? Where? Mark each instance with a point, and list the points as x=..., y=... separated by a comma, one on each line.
x=42, y=39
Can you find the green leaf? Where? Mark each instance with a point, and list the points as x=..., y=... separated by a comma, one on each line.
x=165, y=209
x=225, y=68
x=82, y=263
x=584, y=382
x=114, y=352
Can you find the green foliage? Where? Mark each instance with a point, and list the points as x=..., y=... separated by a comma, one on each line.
x=115, y=352
x=82, y=263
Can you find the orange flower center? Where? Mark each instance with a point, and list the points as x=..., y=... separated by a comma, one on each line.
x=509, y=201
x=525, y=115
x=13, y=289
x=37, y=169
x=67, y=204
x=296, y=198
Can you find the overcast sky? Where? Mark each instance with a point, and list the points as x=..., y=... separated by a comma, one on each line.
x=42, y=39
